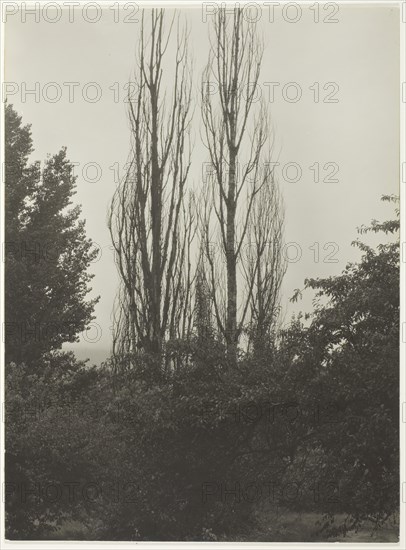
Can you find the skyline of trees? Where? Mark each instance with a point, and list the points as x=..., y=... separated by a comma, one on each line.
x=161, y=238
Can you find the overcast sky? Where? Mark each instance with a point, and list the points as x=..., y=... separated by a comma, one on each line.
x=358, y=55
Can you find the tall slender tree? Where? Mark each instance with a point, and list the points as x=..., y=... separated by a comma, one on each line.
x=264, y=266
x=151, y=222
x=237, y=136
x=202, y=311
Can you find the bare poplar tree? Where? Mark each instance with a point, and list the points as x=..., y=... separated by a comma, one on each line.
x=237, y=132
x=151, y=221
x=264, y=265
x=202, y=309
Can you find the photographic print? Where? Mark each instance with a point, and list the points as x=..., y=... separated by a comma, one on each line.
x=201, y=255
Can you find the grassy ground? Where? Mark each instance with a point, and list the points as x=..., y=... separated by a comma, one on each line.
x=302, y=527
x=285, y=527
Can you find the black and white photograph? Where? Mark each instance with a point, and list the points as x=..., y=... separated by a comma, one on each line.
x=203, y=274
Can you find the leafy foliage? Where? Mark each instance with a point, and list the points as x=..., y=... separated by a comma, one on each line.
x=350, y=354
x=47, y=252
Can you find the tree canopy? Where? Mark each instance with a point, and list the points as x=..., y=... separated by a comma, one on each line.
x=47, y=252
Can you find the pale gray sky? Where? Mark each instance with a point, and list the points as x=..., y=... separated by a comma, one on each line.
x=358, y=55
